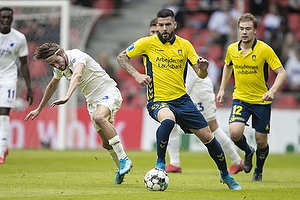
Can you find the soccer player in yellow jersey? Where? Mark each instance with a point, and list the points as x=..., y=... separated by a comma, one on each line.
x=165, y=59
x=250, y=60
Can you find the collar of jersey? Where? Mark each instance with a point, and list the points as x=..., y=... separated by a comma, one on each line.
x=254, y=43
x=171, y=41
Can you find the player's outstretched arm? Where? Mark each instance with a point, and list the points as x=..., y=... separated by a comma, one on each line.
x=50, y=89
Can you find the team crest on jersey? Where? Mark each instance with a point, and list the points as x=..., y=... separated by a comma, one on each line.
x=130, y=47
x=74, y=60
x=180, y=52
x=254, y=58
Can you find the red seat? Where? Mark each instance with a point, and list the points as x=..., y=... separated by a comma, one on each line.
x=201, y=38
x=287, y=101
x=186, y=33
x=201, y=16
x=294, y=24
x=215, y=52
x=192, y=5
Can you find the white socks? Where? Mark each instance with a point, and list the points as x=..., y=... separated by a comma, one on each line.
x=173, y=147
x=224, y=140
x=4, y=133
x=115, y=142
x=227, y=146
x=114, y=157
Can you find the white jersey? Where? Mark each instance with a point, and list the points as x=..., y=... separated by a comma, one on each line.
x=202, y=94
x=12, y=46
x=94, y=82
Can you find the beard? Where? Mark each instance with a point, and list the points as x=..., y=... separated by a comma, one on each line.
x=166, y=36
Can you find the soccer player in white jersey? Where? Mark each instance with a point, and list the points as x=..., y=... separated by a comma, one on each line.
x=102, y=96
x=202, y=94
x=13, y=46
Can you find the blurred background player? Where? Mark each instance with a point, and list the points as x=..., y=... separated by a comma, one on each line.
x=202, y=94
x=102, y=96
x=250, y=59
x=13, y=48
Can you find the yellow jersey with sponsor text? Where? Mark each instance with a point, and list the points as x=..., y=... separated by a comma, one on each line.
x=166, y=64
x=251, y=71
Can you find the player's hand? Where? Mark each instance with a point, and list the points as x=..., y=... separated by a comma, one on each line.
x=142, y=79
x=59, y=102
x=29, y=96
x=268, y=96
x=202, y=63
x=220, y=97
x=33, y=114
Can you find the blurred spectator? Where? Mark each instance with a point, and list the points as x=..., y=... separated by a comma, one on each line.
x=258, y=8
x=103, y=59
x=222, y=23
x=294, y=6
x=177, y=7
x=52, y=30
x=279, y=35
x=272, y=21
x=86, y=3
x=289, y=46
x=292, y=68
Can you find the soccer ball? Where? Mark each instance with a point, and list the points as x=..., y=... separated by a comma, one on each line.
x=156, y=180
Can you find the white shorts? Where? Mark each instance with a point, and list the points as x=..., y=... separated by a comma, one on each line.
x=203, y=96
x=112, y=99
x=8, y=93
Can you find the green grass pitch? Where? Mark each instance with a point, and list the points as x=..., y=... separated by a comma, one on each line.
x=83, y=174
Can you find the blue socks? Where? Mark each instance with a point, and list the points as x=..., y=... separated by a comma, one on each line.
x=242, y=144
x=261, y=155
x=216, y=153
x=162, y=138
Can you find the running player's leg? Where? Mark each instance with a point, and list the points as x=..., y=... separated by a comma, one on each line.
x=216, y=153
x=167, y=122
x=173, y=150
x=227, y=146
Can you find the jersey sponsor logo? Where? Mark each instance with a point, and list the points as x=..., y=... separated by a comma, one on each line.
x=159, y=50
x=246, y=69
x=235, y=118
x=5, y=52
x=169, y=63
x=131, y=47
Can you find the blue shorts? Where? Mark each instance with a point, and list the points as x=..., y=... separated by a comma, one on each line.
x=261, y=114
x=186, y=114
